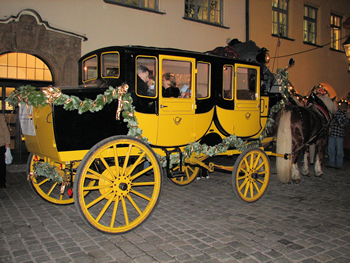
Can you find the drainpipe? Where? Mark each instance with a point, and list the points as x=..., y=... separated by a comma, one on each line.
x=246, y=20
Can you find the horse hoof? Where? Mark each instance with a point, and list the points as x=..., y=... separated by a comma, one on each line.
x=319, y=176
x=297, y=181
x=308, y=175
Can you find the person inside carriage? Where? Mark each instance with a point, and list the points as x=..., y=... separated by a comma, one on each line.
x=169, y=89
x=142, y=80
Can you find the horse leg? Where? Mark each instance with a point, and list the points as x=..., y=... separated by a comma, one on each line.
x=295, y=173
x=318, y=167
x=305, y=169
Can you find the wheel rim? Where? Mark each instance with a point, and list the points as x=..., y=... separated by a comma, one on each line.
x=191, y=173
x=47, y=189
x=122, y=190
x=251, y=174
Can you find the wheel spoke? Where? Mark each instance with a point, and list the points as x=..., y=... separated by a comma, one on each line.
x=125, y=211
x=104, y=209
x=141, y=195
x=98, y=199
x=134, y=204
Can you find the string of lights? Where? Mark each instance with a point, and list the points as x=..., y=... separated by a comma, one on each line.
x=301, y=52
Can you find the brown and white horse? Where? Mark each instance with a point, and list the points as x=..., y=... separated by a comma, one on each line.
x=297, y=128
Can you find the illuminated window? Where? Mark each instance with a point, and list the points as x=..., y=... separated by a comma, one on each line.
x=209, y=11
x=148, y=5
x=23, y=66
x=280, y=18
x=336, y=22
x=310, y=24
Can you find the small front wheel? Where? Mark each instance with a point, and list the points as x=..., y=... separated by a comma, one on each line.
x=251, y=175
x=190, y=173
x=118, y=184
x=47, y=189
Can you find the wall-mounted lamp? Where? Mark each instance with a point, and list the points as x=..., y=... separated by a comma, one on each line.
x=346, y=46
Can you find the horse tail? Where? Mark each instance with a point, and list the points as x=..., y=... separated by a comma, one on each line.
x=284, y=145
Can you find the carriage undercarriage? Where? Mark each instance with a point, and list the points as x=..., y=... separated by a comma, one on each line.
x=118, y=183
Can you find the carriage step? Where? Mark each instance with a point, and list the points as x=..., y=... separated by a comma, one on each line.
x=176, y=174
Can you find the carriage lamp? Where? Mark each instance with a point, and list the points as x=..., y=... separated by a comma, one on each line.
x=346, y=46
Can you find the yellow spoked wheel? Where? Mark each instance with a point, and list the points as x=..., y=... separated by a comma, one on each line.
x=47, y=189
x=191, y=172
x=123, y=178
x=251, y=175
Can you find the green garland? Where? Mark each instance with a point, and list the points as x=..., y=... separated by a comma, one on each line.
x=52, y=96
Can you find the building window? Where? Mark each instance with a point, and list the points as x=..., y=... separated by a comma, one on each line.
x=280, y=18
x=148, y=5
x=310, y=24
x=23, y=66
x=336, y=22
x=209, y=11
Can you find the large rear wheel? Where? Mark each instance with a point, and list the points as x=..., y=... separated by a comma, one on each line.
x=251, y=175
x=123, y=178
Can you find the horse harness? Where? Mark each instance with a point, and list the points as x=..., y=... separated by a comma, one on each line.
x=317, y=107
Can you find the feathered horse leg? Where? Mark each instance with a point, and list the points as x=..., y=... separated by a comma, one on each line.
x=318, y=167
x=295, y=173
x=305, y=169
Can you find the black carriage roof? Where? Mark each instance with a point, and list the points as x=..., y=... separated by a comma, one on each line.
x=149, y=50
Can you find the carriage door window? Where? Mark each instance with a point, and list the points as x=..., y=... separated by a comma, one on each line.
x=228, y=82
x=202, y=80
x=246, y=84
x=146, y=76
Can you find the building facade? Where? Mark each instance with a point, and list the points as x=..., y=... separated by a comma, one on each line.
x=42, y=40
x=309, y=31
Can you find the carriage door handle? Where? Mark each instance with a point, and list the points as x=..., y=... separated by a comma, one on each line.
x=162, y=106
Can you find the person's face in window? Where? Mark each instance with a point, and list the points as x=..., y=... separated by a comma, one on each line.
x=144, y=76
x=166, y=83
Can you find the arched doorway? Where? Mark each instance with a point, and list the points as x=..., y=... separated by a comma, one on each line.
x=16, y=70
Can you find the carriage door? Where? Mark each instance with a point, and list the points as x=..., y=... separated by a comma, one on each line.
x=247, y=100
x=177, y=102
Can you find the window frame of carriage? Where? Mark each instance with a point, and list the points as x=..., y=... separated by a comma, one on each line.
x=85, y=72
x=208, y=86
x=156, y=65
x=103, y=64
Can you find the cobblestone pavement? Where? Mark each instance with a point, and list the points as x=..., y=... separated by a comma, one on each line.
x=201, y=222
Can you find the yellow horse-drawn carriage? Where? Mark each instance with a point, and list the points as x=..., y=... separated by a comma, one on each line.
x=111, y=165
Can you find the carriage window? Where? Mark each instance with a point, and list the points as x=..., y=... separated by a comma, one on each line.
x=145, y=76
x=176, y=79
x=203, y=81
x=246, y=84
x=90, y=68
x=227, y=82
x=110, y=65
